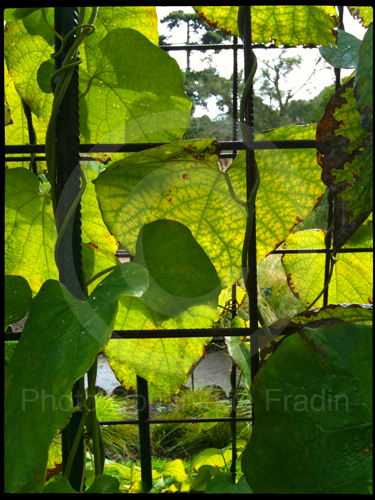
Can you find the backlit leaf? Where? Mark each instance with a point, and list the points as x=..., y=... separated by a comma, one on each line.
x=314, y=423
x=290, y=186
x=181, y=182
x=29, y=229
x=175, y=468
x=284, y=25
x=360, y=314
x=212, y=456
x=352, y=279
x=183, y=293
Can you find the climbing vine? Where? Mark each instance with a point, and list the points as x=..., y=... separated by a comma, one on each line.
x=182, y=217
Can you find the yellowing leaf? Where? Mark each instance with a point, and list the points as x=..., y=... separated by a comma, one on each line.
x=352, y=280
x=283, y=24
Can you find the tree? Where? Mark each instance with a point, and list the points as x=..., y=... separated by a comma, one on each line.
x=270, y=78
x=194, y=23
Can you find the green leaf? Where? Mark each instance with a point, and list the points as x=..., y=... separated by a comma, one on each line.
x=352, y=279
x=345, y=155
x=223, y=483
x=290, y=186
x=199, y=482
x=124, y=92
x=364, y=14
x=240, y=352
x=282, y=24
x=137, y=94
x=9, y=348
x=220, y=412
x=45, y=72
x=183, y=184
x=183, y=282
x=104, y=484
x=212, y=456
x=345, y=55
x=314, y=424
x=61, y=485
x=58, y=326
x=29, y=229
x=363, y=86
x=17, y=299
x=183, y=293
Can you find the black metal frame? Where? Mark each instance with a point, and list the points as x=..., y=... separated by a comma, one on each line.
x=143, y=420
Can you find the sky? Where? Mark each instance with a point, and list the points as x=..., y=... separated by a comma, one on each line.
x=224, y=61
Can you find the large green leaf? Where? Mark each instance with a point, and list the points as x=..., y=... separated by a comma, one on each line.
x=58, y=327
x=183, y=281
x=289, y=189
x=282, y=24
x=223, y=483
x=180, y=182
x=17, y=299
x=345, y=55
x=137, y=93
x=345, y=155
x=183, y=293
x=313, y=424
x=132, y=78
x=352, y=279
x=29, y=229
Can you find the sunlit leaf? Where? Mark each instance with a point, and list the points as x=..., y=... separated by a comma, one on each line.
x=314, y=423
x=240, y=352
x=212, y=456
x=29, y=229
x=175, y=468
x=290, y=186
x=284, y=25
x=180, y=182
x=352, y=279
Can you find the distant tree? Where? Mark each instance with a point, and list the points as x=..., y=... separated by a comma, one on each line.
x=196, y=24
x=278, y=69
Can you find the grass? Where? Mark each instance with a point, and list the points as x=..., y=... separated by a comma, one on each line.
x=172, y=441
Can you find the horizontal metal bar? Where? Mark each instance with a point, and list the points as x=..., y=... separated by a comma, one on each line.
x=176, y=334
x=205, y=47
x=320, y=250
x=177, y=421
x=134, y=148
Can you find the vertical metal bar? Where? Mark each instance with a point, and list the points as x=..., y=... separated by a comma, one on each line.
x=144, y=431
x=233, y=414
x=250, y=173
x=328, y=242
x=69, y=258
x=233, y=423
x=235, y=90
